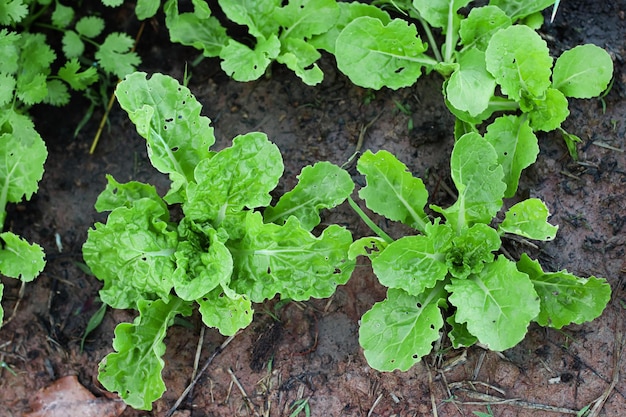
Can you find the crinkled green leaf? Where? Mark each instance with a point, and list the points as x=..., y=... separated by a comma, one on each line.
x=9, y=50
x=125, y=194
x=225, y=310
x=398, y=331
x=198, y=28
x=321, y=186
x=202, y=261
x=90, y=26
x=391, y=190
x=564, y=297
x=516, y=146
x=300, y=57
x=115, y=55
x=258, y=15
x=133, y=254
x=62, y=15
x=518, y=9
x=471, y=250
x=146, y=9
x=478, y=177
x=289, y=260
x=134, y=370
x=374, y=54
x=73, y=46
x=347, y=13
x=23, y=154
x=438, y=12
x=12, y=11
x=245, y=64
x=584, y=71
x=481, y=23
x=549, y=112
x=20, y=259
x=79, y=80
x=370, y=246
x=497, y=304
x=520, y=62
x=7, y=88
x=167, y=115
x=414, y=263
x=471, y=86
x=236, y=177
x=529, y=218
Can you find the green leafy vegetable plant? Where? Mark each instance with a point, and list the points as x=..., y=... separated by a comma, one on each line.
x=448, y=277
x=229, y=249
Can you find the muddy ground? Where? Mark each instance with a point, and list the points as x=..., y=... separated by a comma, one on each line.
x=313, y=354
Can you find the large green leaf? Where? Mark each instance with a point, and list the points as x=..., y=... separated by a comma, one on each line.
x=375, y=55
x=564, y=297
x=398, y=331
x=167, y=115
x=470, y=88
x=391, y=190
x=497, y=304
x=584, y=71
x=529, y=218
x=320, y=186
x=289, y=260
x=478, y=177
x=134, y=370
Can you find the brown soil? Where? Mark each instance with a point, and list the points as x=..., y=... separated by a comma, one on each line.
x=313, y=352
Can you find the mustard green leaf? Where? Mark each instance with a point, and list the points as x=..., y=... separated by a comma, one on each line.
x=529, y=218
x=300, y=57
x=520, y=62
x=519, y=9
x=497, y=304
x=516, y=146
x=584, y=71
x=125, y=194
x=471, y=87
x=133, y=254
x=289, y=260
x=564, y=297
x=90, y=26
x=471, y=250
x=375, y=55
x=115, y=55
x=245, y=64
x=398, y=331
x=391, y=190
x=167, y=115
x=481, y=23
x=459, y=335
x=370, y=246
x=134, y=369
x=260, y=16
x=549, y=112
x=478, y=177
x=20, y=259
x=225, y=310
x=413, y=263
x=198, y=28
x=301, y=19
x=438, y=13
x=321, y=186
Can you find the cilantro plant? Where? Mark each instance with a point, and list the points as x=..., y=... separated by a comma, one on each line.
x=229, y=249
x=447, y=277
x=492, y=61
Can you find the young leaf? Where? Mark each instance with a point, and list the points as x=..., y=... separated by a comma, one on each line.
x=479, y=179
x=134, y=370
x=459, y=335
x=236, y=177
x=529, y=218
x=374, y=54
x=471, y=87
x=167, y=115
x=584, y=71
x=198, y=28
x=471, y=250
x=548, y=113
x=133, y=253
x=391, y=190
x=289, y=260
x=520, y=62
x=564, y=297
x=300, y=57
x=321, y=186
x=481, y=23
x=398, y=331
x=516, y=146
x=225, y=310
x=115, y=55
x=20, y=259
x=371, y=247
x=519, y=9
x=438, y=13
x=414, y=263
x=497, y=304
x=258, y=15
x=245, y=64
